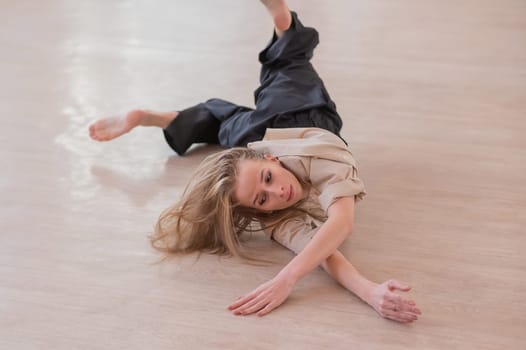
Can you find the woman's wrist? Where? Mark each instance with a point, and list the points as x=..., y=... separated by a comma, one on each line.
x=350, y=278
x=287, y=273
x=366, y=291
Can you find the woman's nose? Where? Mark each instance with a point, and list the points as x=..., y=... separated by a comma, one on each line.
x=278, y=190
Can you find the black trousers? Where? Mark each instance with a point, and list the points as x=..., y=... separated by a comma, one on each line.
x=291, y=95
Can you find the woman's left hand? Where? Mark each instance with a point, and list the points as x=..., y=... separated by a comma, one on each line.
x=265, y=298
x=391, y=305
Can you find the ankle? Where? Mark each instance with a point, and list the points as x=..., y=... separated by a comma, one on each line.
x=159, y=119
x=167, y=118
x=280, y=13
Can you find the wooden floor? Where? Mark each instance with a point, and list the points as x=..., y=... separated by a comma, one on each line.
x=433, y=95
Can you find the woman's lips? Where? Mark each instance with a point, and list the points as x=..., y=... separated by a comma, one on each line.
x=290, y=194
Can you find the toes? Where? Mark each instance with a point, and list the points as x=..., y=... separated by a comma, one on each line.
x=92, y=134
x=93, y=130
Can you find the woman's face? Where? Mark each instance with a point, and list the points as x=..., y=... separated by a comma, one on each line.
x=266, y=185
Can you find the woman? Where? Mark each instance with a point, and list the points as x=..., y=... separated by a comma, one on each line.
x=293, y=175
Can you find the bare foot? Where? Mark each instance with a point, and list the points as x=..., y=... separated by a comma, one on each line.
x=107, y=129
x=280, y=14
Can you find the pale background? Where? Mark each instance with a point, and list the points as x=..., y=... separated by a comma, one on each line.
x=433, y=96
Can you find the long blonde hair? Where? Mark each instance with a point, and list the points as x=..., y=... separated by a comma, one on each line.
x=206, y=219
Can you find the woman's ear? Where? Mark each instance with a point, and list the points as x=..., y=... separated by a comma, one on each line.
x=271, y=157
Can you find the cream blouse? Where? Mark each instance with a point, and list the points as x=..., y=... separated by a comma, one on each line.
x=321, y=158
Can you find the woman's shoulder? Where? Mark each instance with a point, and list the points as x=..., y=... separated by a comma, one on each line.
x=305, y=142
x=312, y=134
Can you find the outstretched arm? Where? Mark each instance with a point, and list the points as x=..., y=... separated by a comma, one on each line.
x=322, y=250
x=380, y=297
x=329, y=237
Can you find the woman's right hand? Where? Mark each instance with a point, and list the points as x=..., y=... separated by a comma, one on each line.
x=391, y=305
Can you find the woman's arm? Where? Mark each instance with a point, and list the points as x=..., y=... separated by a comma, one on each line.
x=379, y=296
x=328, y=238
x=322, y=250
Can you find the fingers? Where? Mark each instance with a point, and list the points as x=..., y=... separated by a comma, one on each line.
x=252, y=306
x=394, y=285
x=250, y=303
x=400, y=306
x=398, y=313
x=403, y=317
x=263, y=306
x=402, y=303
x=242, y=300
x=263, y=301
x=395, y=307
x=267, y=309
x=256, y=307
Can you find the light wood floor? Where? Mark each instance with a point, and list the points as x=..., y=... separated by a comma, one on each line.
x=433, y=95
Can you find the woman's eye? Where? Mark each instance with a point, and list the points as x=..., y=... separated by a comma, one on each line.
x=269, y=177
x=263, y=199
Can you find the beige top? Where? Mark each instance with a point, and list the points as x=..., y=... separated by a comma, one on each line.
x=321, y=158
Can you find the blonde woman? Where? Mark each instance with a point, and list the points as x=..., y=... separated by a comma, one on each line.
x=285, y=168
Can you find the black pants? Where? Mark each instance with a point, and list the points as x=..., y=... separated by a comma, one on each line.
x=291, y=95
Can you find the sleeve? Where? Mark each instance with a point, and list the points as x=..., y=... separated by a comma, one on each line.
x=294, y=234
x=335, y=180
